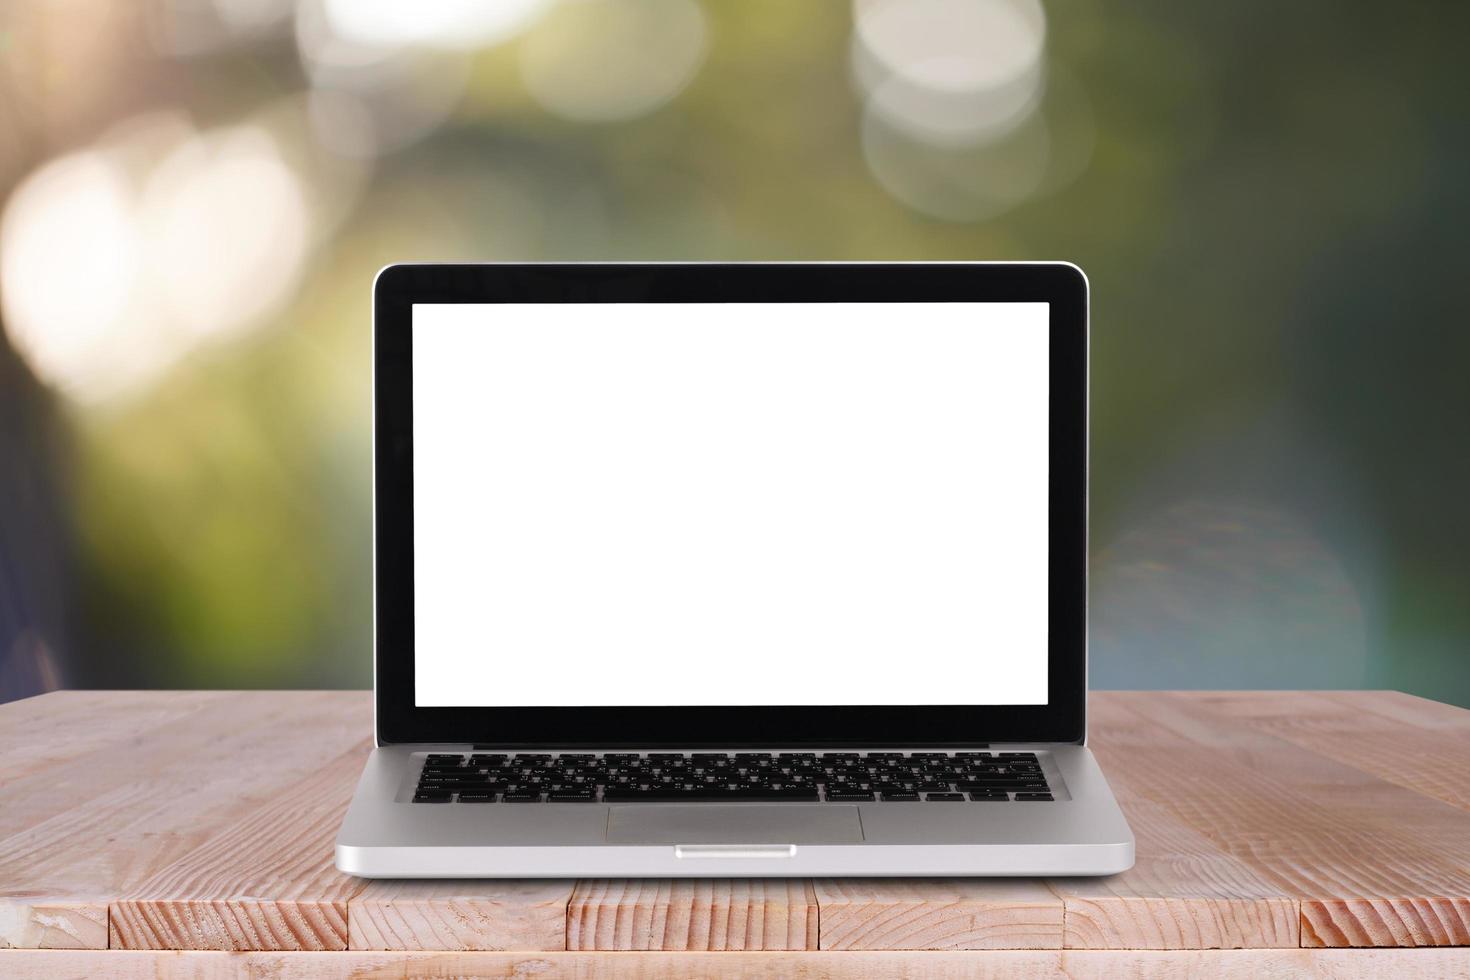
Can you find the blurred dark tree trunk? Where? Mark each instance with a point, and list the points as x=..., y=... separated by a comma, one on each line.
x=35, y=539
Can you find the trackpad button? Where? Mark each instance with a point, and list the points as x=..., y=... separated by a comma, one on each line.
x=747, y=823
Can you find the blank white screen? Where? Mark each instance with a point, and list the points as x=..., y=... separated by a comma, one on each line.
x=650, y=504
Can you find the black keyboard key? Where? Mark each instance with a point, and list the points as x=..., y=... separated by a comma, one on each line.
x=618, y=795
x=453, y=788
x=477, y=797
x=848, y=795
x=430, y=796
x=990, y=795
x=443, y=779
x=901, y=797
x=1046, y=797
x=571, y=797
x=623, y=794
x=522, y=796
x=795, y=794
x=945, y=797
x=659, y=794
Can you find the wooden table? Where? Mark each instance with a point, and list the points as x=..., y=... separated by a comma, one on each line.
x=1277, y=833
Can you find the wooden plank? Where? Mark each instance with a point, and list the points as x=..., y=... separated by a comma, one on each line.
x=202, y=755
x=692, y=914
x=937, y=913
x=1419, y=744
x=54, y=815
x=265, y=881
x=1370, y=862
x=80, y=834
x=1184, y=890
x=44, y=925
x=460, y=915
x=1262, y=818
x=1415, y=712
x=42, y=732
x=1241, y=964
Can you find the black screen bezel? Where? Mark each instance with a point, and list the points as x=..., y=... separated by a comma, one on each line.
x=400, y=720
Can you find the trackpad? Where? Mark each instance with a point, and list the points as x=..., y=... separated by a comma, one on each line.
x=746, y=823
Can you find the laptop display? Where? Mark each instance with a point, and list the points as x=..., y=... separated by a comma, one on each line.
x=632, y=504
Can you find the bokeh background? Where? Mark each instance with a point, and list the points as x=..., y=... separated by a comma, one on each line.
x=1270, y=200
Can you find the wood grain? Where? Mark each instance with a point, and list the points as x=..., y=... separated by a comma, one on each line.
x=264, y=881
x=460, y=915
x=41, y=732
x=204, y=820
x=692, y=914
x=85, y=832
x=1183, y=892
x=1418, y=744
x=1244, y=964
x=1371, y=863
x=43, y=925
x=940, y=913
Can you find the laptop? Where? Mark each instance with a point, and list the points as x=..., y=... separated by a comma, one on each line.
x=731, y=570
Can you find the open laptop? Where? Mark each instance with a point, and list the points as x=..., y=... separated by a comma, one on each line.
x=731, y=570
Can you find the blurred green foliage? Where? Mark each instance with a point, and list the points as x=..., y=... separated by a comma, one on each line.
x=1268, y=200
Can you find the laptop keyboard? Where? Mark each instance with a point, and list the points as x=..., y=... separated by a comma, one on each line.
x=936, y=777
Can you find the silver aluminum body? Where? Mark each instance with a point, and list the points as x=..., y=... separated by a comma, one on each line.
x=1081, y=832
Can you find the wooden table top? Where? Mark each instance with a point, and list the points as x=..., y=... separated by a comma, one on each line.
x=1283, y=823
